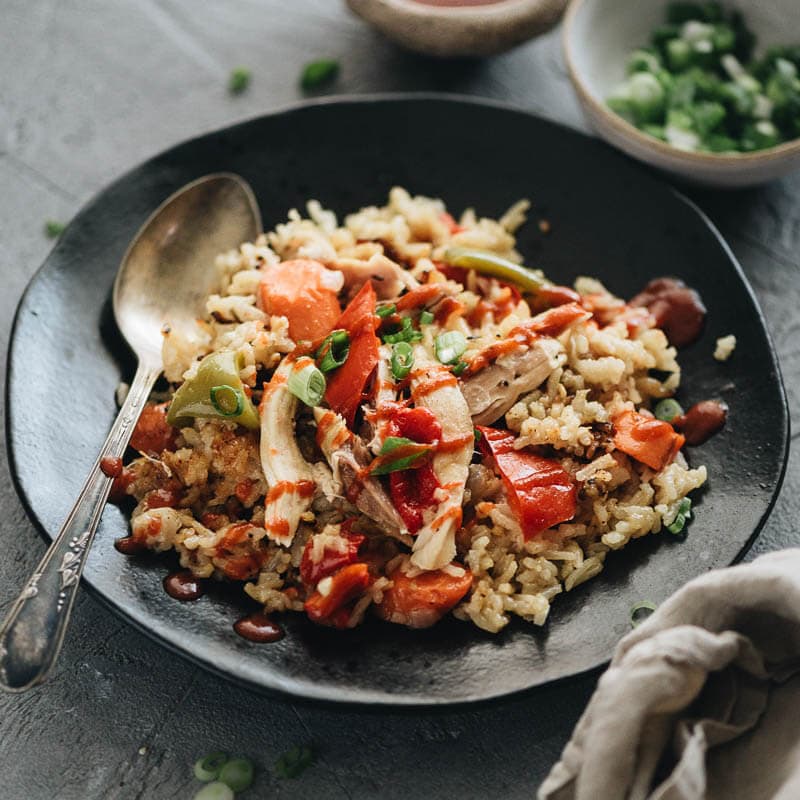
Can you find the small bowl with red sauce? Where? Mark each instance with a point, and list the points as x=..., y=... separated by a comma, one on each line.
x=460, y=28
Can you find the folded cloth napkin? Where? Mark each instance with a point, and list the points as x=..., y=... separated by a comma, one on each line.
x=701, y=701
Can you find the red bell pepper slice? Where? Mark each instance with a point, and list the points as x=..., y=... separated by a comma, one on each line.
x=412, y=490
x=651, y=441
x=541, y=493
x=346, y=585
x=347, y=384
x=332, y=560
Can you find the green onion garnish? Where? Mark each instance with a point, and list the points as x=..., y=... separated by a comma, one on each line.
x=239, y=80
x=459, y=368
x=385, y=311
x=402, y=360
x=393, y=443
x=227, y=401
x=684, y=514
x=294, y=762
x=333, y=351
x=449, y=346
x=641, y=611
x=667, y=409
x=53, y=229
x=405, y=334
x=307, y=383
x=425, y=318
x=318, y=73
x=237, y=774
x=207, y=768
x=477, y=435
x=215, y=791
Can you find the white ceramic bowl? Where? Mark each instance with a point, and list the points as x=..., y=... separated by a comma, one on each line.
x=460, y=30
x=599, y=35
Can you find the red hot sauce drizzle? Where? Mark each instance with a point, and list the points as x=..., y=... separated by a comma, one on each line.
x=677, y=309
x=182, y=585
x=258, y=627
x=701, y=421
x=111, y=466
x=129, y=546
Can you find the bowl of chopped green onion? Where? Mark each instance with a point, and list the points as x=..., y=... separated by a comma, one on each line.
x=705, y=90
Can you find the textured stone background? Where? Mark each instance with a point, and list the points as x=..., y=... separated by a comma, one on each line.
x=87, y=90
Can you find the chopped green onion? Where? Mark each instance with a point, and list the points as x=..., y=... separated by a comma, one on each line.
x=307, y=383
x=668, y=409
x=207, y=768
x=294, y=762
x=641, y=611
x=683, y=515
x=402, y=360
x=215, y=791
x=53, y=229
x=227, y=401
x=459, y=368
x=237, y=774
x=239, y=80
x=393, y=443
x=385, y=311
x=449, y=346
x=405, y=334
x=318, y=73
x=425, y=318
x=333, y=351
x=496, y=267
x=477, y=435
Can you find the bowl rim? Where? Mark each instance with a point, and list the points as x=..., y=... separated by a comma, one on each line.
x=630, y=131
x=490, y=11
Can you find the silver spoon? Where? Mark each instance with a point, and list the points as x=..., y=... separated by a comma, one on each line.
x=165, y=276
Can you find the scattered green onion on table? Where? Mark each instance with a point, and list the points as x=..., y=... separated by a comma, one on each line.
x=641, y=611
x=697, y=88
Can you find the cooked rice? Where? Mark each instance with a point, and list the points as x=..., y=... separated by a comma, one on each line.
x=725, y=347
x=598, y=372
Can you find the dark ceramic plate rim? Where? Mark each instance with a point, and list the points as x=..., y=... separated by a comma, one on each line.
x=358, y=699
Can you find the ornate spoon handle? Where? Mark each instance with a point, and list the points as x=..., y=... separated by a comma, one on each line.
x=32, y=634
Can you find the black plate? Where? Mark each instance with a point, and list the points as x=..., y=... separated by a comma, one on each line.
x=609, y=219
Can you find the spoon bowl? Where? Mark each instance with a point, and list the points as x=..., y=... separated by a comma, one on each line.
x=165, y=275
x=169, y=270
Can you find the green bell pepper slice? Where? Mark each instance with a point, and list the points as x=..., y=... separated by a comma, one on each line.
x=216, y=390
x=528, y=280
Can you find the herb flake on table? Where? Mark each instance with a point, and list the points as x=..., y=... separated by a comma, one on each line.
x=318, y=73
x=53, y=229
x=294, y=762
x=239, y=80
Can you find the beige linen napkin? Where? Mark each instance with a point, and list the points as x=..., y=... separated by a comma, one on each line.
x=700, y=701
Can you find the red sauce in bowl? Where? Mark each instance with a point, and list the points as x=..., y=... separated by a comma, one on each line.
x=457, y=3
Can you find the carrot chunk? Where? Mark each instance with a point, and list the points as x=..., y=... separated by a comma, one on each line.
x=297, y=290
x=648, y=440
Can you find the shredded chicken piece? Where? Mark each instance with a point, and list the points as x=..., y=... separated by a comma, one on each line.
x=388, y=278
x=434, y=387
x=347, y=456
x=492, y=391
x=291, y=479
